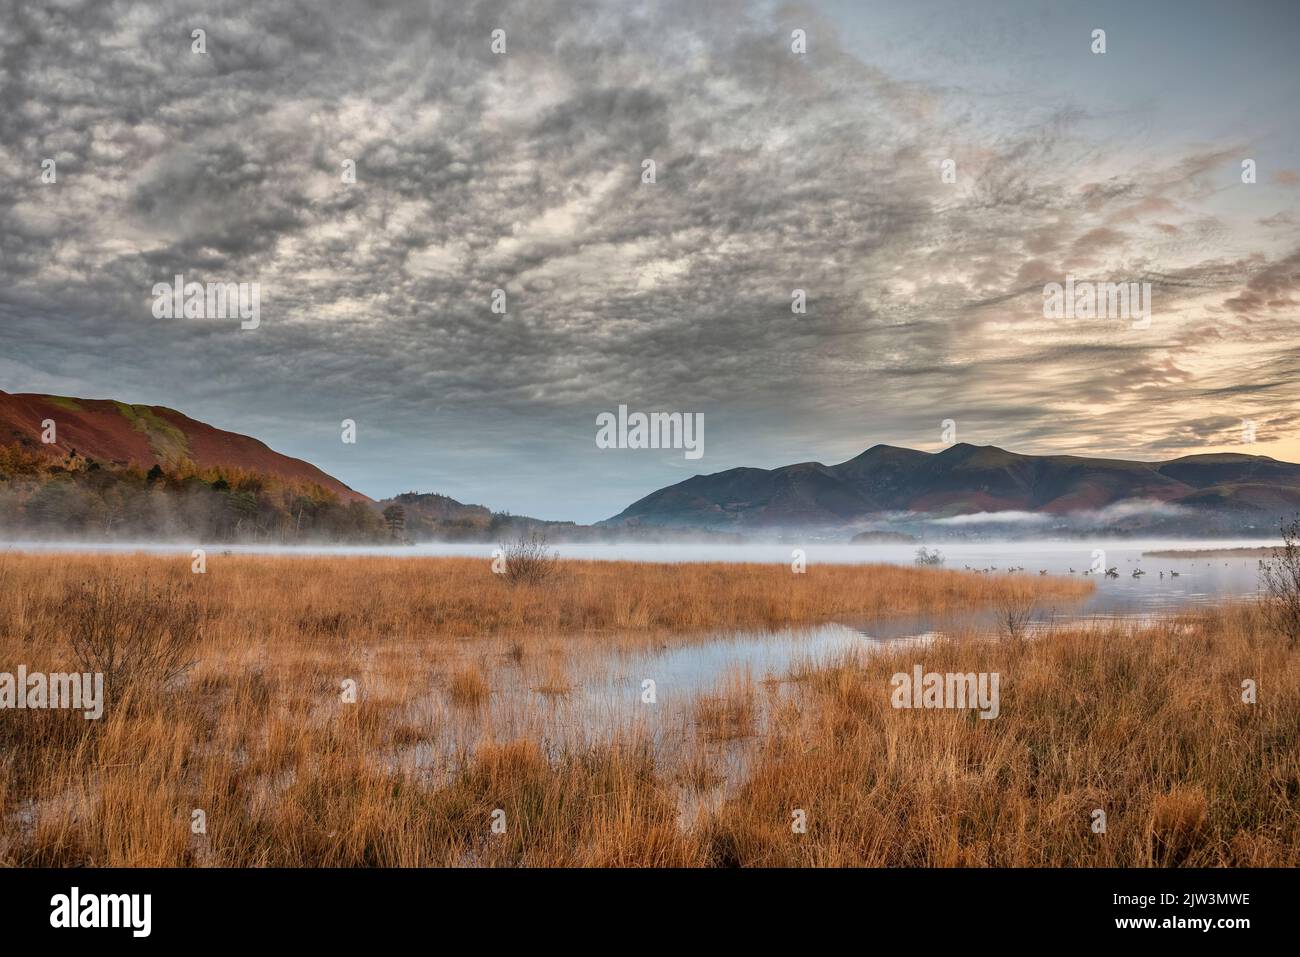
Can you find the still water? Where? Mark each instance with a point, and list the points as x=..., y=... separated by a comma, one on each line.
x=609, y=695
x=1167, y=585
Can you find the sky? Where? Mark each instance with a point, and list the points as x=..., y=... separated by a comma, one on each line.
x=775, y=170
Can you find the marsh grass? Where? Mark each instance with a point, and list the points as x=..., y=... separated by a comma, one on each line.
x=729, y=711
x=555, y=681
x=1146, y=722
x=468, y=686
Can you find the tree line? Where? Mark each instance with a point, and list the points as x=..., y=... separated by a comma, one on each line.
x=41, y=496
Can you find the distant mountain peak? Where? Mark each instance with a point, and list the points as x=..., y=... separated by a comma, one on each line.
x=965, y=479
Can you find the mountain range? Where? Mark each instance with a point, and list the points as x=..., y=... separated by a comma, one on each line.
x=965, y=486
x=886, y=491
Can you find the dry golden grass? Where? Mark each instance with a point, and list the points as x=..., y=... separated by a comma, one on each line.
x=555, y=681
x=468, y=686
x=319, y=599
x=729, y=711
x=1145, y=723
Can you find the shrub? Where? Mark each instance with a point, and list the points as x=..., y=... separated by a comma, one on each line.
x=1280, y=577
x=135, y=634
x=926, y=557
x=530, y=561
x=1014, y=610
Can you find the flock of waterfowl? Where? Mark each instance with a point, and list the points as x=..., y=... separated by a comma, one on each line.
x=1112, y=572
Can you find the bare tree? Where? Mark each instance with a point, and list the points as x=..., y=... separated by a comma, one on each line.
x=133, y=633
x=926, y=557
x=1280, y=577
x=529, y=561
x=1014, y=610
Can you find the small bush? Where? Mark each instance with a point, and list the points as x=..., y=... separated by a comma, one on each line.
x=1280, y=577
x=1014, y=610
x=530, y=561
x=135, y=634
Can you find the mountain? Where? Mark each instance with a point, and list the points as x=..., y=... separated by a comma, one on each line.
x=439, y=508
x=900, y=485
x=427, y=516
x=148, y=473
x=117, y=434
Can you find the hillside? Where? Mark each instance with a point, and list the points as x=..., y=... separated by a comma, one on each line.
x=117, y=434
x=963, y=480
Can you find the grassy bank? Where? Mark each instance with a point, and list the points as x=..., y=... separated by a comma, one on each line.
x=313, y=598
x=1266, y=551
x=1146, y=724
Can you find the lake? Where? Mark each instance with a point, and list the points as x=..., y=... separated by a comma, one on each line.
x=1199, y=580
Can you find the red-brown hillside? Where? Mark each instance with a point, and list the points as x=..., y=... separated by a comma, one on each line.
x=121, y=434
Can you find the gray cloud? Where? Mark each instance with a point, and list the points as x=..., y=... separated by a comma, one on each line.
x=522, y=172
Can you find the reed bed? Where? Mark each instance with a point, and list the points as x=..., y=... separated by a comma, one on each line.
x=255, y=740
x=317, y=598
x=1146, y=724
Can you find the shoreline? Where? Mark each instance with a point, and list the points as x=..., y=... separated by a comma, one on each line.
x=1266, y=551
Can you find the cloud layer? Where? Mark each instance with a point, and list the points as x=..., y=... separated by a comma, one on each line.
x=522, y=171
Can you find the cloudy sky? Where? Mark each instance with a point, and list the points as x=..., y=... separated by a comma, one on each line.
x=774, y=170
